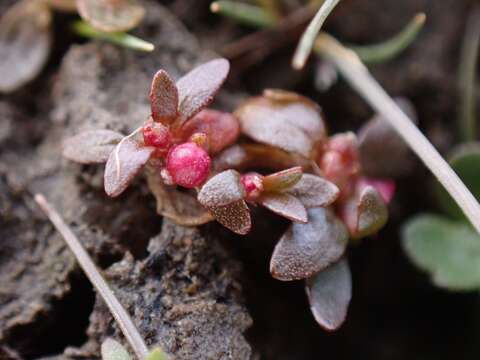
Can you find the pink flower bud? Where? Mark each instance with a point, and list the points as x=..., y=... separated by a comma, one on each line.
x=253, y=185
x=157, y=135
x=386, y=187
x=188, y=165
x=340, y=160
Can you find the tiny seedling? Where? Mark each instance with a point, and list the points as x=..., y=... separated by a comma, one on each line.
x=26, y=33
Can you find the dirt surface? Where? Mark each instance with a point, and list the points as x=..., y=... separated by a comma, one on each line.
x=196, y=291
x=191, y=302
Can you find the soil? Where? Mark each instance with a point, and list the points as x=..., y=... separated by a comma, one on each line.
x=205, y=293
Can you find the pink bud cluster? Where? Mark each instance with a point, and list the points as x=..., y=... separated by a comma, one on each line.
x=186, y=164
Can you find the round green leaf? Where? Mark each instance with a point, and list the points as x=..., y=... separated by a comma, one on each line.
x=465, y=160
x=449, y=251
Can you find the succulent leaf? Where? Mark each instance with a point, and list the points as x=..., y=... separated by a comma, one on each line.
x=123, y=164
x=222, y=189
x=234, y=216
x=329, y=293
x=285, y=205
x=163, y=98
x=197, y=88
x=92, y=146
x=282, y=180
x=314, y=191
x=306, y=249
x=284, y=120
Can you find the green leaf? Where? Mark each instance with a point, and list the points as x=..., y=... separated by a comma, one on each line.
x=247, y=14
x=113, y=350
x=465, y=161
x=84, y=29
x=156, y=354
x=391, y=48
x=449, y=251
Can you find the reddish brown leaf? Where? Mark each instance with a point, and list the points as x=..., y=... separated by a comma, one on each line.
x=300, y=111
x=306, y=249
x=92, y=146
x=247, y=156
x=282, y=180
x=294, y=126
x=372, y=212
x=383, y=153
x=124, y=162
x=197, y=89
x=63, y=5
x=314, y=191
x=221, y=190
x=285, y=205
x=25, y=42
x=163, y=98
x=234, y=216
x=221, y=129
x=329, y=293
x=111, y=15
x=178, y=206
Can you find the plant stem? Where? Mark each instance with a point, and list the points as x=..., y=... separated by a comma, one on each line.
x=84, y=29
x=352, y=69
x=244, y=13
x=119, y=313
x=467, y=77
x=308, y=38
x=391, y=48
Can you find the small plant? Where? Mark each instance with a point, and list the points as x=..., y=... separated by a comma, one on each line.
x=286, y=163
x=445, y=245
x=26, y=33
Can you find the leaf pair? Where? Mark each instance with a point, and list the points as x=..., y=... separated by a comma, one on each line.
x=283, y=119
x=287, y=193
x=173, y=104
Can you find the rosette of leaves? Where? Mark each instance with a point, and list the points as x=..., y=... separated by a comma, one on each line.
x=290, y=128
x=176, y=145
x=26, y=32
